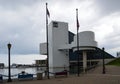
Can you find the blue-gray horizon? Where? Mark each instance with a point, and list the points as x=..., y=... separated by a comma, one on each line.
x=21, y=58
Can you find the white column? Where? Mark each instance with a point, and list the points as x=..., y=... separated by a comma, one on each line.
x=58, y=36
x=84, y=60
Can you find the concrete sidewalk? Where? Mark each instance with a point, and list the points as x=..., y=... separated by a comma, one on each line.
x=84, y=79
x=112, y=76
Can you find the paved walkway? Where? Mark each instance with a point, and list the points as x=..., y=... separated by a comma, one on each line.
x=93, y=77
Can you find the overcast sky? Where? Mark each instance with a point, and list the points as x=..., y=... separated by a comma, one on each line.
x=22, y=22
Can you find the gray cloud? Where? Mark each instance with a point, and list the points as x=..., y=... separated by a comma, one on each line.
x=21, y=28
x=108, y=6
x=15, y=4
x=112, y=39
x=22, y=22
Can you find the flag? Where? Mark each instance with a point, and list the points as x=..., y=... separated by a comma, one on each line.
x=78, y=24
x=77, y=19
x=47, y=11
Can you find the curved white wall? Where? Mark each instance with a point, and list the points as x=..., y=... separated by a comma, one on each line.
x=86, y=38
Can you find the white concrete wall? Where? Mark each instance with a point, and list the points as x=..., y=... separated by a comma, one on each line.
x=58, y=36
x=50, y=43
x=86, y=38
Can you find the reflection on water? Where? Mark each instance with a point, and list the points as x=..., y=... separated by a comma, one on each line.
x=15, y=71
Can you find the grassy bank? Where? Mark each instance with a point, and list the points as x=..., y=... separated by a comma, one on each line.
x=115, y=62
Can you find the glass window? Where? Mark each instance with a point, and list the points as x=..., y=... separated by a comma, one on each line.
x=55, y=24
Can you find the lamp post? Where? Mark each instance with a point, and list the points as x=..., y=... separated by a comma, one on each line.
x=103, y=60
x=9, y=70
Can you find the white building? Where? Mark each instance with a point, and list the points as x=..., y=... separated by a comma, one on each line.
x=59, y=46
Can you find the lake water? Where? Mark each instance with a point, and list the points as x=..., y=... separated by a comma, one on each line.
x=15, y=71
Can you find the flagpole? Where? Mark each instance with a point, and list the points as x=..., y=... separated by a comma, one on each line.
x=77, y=42
x=47, y=43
